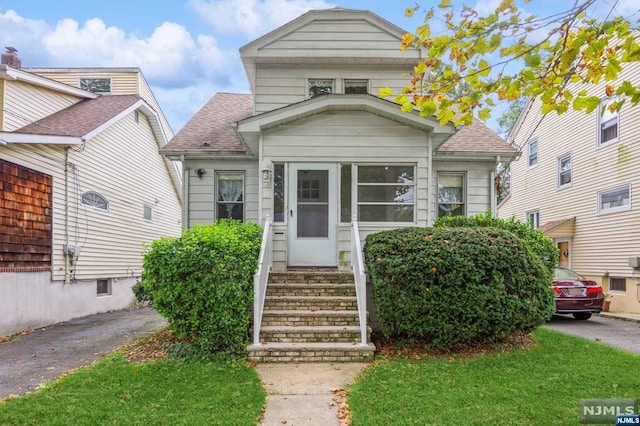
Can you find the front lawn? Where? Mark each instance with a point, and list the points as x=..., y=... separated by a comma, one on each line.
x=541, y=385
x=166, y=391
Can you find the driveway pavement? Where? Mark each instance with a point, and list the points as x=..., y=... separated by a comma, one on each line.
x=28, y=360
x=611, y=331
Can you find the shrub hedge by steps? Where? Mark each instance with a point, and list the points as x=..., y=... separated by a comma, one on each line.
x=202, y=283
x=453, y=286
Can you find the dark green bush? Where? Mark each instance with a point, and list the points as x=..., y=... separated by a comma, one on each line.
x=451, y=286
x=202, y=283
x=538, y=243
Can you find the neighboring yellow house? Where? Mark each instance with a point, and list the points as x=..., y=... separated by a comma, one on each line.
x=83, y=188
x=577, y=180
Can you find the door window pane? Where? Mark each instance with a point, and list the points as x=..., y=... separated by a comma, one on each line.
x=313, y=204
x=278, y=192
x=345, y=193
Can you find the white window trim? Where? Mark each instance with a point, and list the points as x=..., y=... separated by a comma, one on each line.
x=617, y=209
x=244, y=193
x=150, y=207
x=354, y=192
x=529, y=142
x=465, y=202
x=559, y=170
x=536, y=222
x=107, y=209
x=601, y=118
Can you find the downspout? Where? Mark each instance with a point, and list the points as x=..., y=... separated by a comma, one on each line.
x=429, y=177
x=494, y=197
x=260, y=182
x=67, y=277
x=185, y=193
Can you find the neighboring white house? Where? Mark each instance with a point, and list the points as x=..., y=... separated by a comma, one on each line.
x=83, y=188
x=576, y=180
x=314, y=148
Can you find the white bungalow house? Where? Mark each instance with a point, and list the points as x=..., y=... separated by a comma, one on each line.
x=314, y=154
x=83, y=187
x=313, y=148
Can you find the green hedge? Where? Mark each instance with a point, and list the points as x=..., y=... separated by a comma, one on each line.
x=450, y=286
x=536, y=241
x=202, y=283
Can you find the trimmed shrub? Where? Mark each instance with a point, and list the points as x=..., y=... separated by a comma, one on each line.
x=450, y=286
x=202, y=283
x=541, y=245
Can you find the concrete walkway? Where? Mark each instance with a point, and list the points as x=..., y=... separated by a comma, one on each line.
x=303, y=394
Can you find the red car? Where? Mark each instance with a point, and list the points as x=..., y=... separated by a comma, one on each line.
x=576, y=295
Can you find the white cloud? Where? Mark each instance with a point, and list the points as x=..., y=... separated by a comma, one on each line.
x=252, y=18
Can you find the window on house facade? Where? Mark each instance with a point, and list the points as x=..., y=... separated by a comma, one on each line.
x=607, y=124
x=96, y=85
x=615, y=199
x=278, y=192
x=451, y=194
x=533, y=219
x=356, y=87
x=385, y=193
x=532, y=153
x=230, y=195
x=93, y=199
x=618, y=284
x=564, y=170
x=147, y=212
x=319, y=87
x=103, y=287
x=345, y=193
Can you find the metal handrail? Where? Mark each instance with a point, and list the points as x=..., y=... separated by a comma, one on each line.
x=360, y=278
x=260, y=279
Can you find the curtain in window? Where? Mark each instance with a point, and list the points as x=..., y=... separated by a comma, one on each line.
x=230, y=188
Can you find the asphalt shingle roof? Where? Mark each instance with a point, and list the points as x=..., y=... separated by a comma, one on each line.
x=80, y=119
x=211, y=129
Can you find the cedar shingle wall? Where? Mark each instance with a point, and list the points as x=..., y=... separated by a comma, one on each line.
x=25, y=218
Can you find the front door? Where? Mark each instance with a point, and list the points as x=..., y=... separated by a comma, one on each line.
x=312, y=214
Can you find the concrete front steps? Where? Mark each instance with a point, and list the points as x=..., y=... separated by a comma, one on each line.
x=311, y=316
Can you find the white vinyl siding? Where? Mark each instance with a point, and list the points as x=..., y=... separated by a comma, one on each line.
x=108, y=244
x=123, y=82
x=20, y=99
x=601, y=242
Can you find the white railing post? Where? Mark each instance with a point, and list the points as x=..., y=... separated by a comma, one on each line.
x=360, y=278
x=260, y=279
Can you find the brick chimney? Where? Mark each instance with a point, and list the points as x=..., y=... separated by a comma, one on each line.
x=10, y=58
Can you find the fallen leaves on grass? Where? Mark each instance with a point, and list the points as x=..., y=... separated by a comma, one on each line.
x=150, y=348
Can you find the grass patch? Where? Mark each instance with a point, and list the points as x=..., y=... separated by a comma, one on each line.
x=167, y=391
x=541, y=385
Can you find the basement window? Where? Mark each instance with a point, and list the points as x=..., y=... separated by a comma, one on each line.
x=103, y=287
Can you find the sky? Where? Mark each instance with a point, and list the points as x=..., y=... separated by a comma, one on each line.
x=186, y=49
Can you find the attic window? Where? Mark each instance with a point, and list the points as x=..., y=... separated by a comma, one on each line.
x=96, y=85
x=356, y=87
x=320, y=87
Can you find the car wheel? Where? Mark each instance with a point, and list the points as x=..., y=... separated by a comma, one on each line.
x=582, y=316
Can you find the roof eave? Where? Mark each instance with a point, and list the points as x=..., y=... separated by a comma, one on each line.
x=20, y=138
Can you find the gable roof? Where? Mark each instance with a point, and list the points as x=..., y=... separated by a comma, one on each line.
x=212, y=129
x=9, y=73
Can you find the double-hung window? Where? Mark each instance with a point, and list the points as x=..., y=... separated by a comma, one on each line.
x=385, y=193
x=608, y=123
x=564, y=171
x=230, y=195
x=615, y=199
x=451, y=194
x=533, y=219
x=532, y=153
